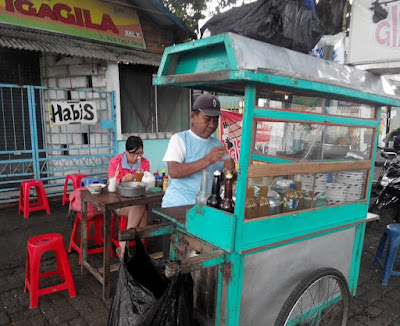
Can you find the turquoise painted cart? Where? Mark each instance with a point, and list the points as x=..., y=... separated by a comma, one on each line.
x=305, y=120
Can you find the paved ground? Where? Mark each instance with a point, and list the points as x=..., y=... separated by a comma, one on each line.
x=374, y=305
x=87, y=308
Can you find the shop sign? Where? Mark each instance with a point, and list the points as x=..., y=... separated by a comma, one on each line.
x=68, y=112
x=91, y=19
x=231, y=133
x=374, y=32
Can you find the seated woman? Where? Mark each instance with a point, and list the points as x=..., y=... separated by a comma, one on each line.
x=125, y=166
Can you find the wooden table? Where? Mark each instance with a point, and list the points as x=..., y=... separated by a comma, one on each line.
x=107, y=202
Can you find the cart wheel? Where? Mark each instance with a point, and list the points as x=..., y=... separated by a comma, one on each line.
x=322, y=299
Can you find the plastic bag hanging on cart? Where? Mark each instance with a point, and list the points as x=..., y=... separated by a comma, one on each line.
x=144, y=296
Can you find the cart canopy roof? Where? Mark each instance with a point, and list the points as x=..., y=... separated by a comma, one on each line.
x=228, y=62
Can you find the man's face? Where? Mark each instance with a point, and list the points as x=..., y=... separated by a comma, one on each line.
x=203, y=125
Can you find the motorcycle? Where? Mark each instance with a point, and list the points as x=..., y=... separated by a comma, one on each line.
x=388, y=171
x=385, y=192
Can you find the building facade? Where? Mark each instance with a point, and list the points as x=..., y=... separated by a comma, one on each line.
x=76, y=82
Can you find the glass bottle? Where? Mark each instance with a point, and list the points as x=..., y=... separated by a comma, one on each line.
x=215, y=198
x=297, y=181
x=165, y=183
x=155, y=173
x=250, y=207
x=159, y=181
x=202, y=196
x=139, y=170
x=227, y=203
x=290, y=200
x=234, y=189
x=263, y=202
x=163, y=173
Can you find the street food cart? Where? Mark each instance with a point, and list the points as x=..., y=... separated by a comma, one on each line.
x=306, y=121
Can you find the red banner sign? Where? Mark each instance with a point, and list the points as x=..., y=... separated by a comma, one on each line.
x=93, y=19
x=231, y=133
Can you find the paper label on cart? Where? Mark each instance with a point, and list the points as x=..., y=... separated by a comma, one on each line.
x=291, y=203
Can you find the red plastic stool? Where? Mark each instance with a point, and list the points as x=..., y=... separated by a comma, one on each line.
x=24, y=205
x=36, y=247
x=75, y=241
x=76, y=183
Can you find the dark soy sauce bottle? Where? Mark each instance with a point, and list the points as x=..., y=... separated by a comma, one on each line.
x=215, y=199
x=227, y=203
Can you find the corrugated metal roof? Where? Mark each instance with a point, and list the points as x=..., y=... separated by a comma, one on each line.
x=67, y=45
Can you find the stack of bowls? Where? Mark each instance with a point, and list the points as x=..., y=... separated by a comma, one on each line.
x=336, y=193
x=354, y=181
x=311, y=189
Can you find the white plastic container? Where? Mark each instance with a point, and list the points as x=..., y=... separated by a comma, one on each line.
x=149, y=180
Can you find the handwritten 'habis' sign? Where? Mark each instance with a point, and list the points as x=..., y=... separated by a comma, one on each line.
x=67, y=112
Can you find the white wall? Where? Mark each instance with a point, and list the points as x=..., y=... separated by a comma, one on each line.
x=68, y=72
x=70, y=75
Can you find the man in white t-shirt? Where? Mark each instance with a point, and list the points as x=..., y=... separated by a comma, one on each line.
x=191, y=151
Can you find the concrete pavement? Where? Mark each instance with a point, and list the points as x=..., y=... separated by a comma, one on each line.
x=374, y=304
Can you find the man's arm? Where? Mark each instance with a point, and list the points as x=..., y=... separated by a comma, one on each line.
x=178, y=170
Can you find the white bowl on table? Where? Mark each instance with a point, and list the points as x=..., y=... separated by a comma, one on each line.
x=95, y=188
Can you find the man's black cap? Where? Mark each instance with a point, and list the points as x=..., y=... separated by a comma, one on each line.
x=208, y=104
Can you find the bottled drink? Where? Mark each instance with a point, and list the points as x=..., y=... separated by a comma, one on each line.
x=139, y=176
x=263, y=202
x=165, y=183
x=159, y=181
x=250, y=208
x=290, y=200
x=227, y=203
x=155, y=173
x=139, y=170
x=163, y=173
x=297, y=181
x=202, y=196
x=215, y=198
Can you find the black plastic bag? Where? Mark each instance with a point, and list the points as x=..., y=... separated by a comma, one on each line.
x=330, y=12
x=175, y=307
x=144, y=296
x=286, y=23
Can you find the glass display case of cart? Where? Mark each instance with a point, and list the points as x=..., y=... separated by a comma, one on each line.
x=310, y=139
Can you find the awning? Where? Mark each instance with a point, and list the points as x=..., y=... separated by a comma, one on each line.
x=23, y=39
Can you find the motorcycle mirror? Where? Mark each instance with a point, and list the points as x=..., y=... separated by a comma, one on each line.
x=389, y=155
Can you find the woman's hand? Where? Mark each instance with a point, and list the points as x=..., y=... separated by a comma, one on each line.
x=127, y=178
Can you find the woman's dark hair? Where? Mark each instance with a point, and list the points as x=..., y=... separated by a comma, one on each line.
x=133, y=143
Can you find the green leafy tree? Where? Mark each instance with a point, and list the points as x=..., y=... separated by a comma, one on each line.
x=190, y=11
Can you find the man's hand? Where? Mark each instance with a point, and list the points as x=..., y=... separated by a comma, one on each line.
x=181, y=170
x=215, y=155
